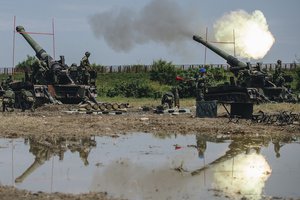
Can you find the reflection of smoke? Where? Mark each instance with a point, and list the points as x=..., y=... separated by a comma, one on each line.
x=252, y=36
x=245, y=176
x=129, y=180
x=161, y=21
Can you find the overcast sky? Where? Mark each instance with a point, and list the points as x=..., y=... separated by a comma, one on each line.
x=138, y=32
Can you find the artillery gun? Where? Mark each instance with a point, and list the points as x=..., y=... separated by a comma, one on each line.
x=50, y=80
x=249, y=84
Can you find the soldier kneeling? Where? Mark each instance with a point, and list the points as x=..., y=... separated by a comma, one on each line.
x=27, y=100
x=167, y=100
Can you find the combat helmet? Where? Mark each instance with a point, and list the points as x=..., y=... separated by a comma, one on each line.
x=87, y=54
x=202, y=70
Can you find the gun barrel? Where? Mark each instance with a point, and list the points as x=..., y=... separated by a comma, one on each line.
x=231, y=60
x=40, y=52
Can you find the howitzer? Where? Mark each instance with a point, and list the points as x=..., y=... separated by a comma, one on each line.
x=50, y=80
x=54, y=71
x=235, y=64
x=252, y=85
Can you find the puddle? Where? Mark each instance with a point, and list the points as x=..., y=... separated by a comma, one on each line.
x=144, y=166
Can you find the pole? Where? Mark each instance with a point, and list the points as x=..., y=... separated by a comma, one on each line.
x=53, y=38
x=14, y=43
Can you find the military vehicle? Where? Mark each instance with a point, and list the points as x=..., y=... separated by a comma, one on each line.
x=50, y=80
x=248, y=85
x=53, y=81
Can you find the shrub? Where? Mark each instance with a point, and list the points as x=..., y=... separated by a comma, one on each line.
x=28, y=63
x=297, y=73
x=163, y=72
x=137, y=89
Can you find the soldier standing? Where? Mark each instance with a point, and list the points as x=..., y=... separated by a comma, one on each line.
x=73, y=70
x=201, y=82
x=84, y=68
x=278, y=78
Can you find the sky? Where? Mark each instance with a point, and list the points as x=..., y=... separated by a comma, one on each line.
x=139, y=32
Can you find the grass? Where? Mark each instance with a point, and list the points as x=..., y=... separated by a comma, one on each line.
x=149, y=102
x=277, y=107
x=16, y=76
x=107, y=81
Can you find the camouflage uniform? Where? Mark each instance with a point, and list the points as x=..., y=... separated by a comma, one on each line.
x=9, y=79
x=167, y=100
x=8, y=100
x=84, y=68
x=278, y=78
x=27, y=100
x=6, y=82
x=201, y=83
x=244, y=77
x=73, y=70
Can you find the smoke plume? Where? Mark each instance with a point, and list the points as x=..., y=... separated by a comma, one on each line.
x=252, y=36
x=160, y=21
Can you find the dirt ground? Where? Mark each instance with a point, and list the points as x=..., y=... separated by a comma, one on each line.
x=52, y=121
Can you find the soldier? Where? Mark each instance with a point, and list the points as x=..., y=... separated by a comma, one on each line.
x=73, y=70
x=8, y=100
x=278, y=78
x=84, y=68
x=9, y=79
x=167, y=100
x=5, y=82
x=257, y=70
x=201, y=83
x=27, y=100
x=85, y=60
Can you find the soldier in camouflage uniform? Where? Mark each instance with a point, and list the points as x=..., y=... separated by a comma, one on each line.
x=73, y=70
x=8, y=103
x=167, y=100
x=84, y=68
x=9, y=79
x=26, y=100
x=8, y=100
x=201, y=83
x=278, y=78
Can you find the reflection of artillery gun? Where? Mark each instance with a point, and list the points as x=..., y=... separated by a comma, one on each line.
x=50, y=80
x=249, y=84
x=43, y=150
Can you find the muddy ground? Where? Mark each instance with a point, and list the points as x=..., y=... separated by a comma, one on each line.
x=52, y=121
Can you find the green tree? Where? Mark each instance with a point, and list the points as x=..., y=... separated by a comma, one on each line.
x=136, y=88
x=29, y=62
x=297, y=78
x=164, y=72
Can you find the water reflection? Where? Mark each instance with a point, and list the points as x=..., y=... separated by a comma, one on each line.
x=44, y=149
x=242, y=171
x=144, y=166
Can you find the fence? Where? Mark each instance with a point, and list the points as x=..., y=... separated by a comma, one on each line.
x=147, y=68
x=7, y=70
